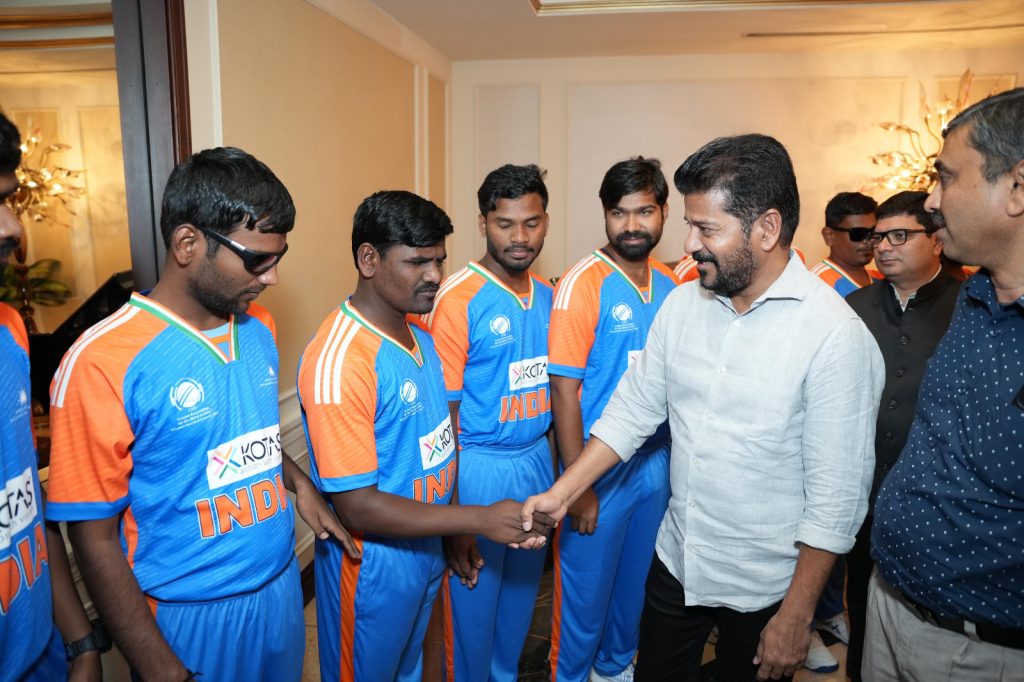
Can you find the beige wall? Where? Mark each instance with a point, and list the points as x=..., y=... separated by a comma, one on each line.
x=576, y=117
x=334, y=114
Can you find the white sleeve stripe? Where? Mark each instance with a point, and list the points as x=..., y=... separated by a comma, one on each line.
x=320, y=383
x=340, y=361
x=569, y=281
x=63, y=376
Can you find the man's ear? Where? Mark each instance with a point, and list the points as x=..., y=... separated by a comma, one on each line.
x=185, y=248
x=770, y=229
x=1015, y=202
x=482, y=222
x=367, y=260
x=827, y=235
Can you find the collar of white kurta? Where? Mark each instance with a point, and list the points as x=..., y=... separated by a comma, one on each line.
x=792, y=284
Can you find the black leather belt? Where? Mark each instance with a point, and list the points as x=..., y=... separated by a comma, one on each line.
x=980, y=631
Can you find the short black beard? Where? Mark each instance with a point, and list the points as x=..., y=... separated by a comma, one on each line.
x=634, y=253
x=511, y=267
x=734, y=275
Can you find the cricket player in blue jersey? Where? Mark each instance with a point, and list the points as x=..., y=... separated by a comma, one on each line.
x=490, y=325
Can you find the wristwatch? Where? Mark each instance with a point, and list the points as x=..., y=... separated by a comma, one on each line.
x=97, y=640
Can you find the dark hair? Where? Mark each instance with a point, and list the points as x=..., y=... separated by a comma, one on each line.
x=222, y=188
x=847, y=204
x=631, y=176
x=511, y=182
x=10, y=146
x=393, y=217
x=997, y=130
x=755, y=174
x=908, y=203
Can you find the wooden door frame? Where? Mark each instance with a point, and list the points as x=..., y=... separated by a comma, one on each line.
x=152, y=84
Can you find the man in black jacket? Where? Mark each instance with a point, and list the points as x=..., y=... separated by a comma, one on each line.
x=908, y=313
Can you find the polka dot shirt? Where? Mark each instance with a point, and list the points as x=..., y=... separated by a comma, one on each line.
x=949, y=520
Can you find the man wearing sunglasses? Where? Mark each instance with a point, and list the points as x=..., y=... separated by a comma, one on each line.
x=907, y=313
x=849, y=220
x=166, y=454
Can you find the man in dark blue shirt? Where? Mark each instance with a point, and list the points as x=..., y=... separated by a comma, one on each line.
x=948, y=596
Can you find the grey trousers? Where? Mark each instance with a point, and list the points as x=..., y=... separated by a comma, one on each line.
x=900, y=646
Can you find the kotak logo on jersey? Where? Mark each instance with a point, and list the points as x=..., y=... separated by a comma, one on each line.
x=528, y=373
x=438, y=445
x=18, y=507
x=242, y=457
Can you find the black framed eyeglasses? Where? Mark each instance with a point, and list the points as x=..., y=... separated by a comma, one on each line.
x=856, y=234
x=256, y=262
x=895, y=237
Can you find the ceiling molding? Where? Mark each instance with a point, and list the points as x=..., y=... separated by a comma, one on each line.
x=840, y=34
x=61, y=20
x=563, y=7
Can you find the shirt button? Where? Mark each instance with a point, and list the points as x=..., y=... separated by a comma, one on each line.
x=900, y=372
x=889, y=435
x=904, y=340
x=893, y=404
x=886, y=467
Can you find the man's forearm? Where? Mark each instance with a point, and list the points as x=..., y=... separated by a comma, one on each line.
x=120, y=601
x=293, y=476
x=595, y=459
x=813, y=567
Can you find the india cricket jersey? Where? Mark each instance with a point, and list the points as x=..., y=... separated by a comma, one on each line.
x=599, y=325
x=154, y=422
x=493, y=346
x=375, y=414
x=26, y=619
x=838, y=279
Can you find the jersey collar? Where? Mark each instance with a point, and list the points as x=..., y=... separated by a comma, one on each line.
x=650, y=277
x=154, y=308
x=491, y=277
x=350, y=310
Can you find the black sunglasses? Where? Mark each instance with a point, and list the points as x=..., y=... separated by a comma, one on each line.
x=256, y=262
x=856, y=234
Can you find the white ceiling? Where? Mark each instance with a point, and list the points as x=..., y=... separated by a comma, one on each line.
x=510, y=29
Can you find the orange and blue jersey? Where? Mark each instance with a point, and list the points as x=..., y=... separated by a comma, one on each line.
x=496, y=342
x=686, y=269
x=156, y=424
x=833, y=275
x=375, y=414
x=493, y=346
x=599, y=324
x=26, y=620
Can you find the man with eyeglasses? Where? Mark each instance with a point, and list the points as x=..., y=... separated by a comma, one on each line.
x=946, y=600
x=166, y=455
x=907, y=313
x=849, y=220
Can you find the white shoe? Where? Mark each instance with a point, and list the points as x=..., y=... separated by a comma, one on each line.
x=624, y=676
x=819, y=658
x=836, y=626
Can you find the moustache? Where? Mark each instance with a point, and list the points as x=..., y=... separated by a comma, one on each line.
x=7, y=246
x=520, y=249
x=634, y=235
x=704, y=257
x=938, y=219
x=430, y=289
